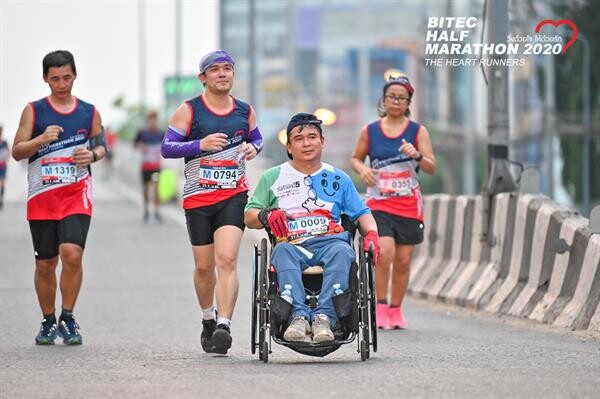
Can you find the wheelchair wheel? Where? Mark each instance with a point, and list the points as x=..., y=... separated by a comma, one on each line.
x=364, y=350
x=263, y=311
x=372, y=301
x=254, y=301
x=264, y=352
x=363, y=303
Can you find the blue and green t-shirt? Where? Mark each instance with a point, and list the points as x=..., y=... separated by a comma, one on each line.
x=314, y=203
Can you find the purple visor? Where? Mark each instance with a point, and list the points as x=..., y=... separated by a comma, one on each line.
x=213, y=57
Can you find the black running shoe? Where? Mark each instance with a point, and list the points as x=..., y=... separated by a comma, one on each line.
x=68, y=330
x=47, y=333
x=221, y=339
x=208, y=328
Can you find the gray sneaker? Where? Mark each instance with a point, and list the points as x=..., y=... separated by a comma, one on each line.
x=322, y=329
x=297, y=330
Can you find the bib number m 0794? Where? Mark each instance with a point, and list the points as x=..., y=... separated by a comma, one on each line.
x=218, y=174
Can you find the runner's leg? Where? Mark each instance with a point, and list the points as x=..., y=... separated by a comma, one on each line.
x=204, y=274
x=45, y=283
x=71, y=275
x=227, y=245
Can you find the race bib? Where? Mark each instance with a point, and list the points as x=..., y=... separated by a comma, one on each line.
x=395, y=184
x=58, y=170
x=307, y=226
x=218, y=174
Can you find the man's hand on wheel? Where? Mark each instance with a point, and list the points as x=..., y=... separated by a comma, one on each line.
x=275, y=220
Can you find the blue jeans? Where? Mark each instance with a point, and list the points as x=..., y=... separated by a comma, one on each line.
x=332, y=252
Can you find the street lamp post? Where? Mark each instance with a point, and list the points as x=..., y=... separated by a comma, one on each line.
x=142, y=52
x=499, y=176
x=586, y=139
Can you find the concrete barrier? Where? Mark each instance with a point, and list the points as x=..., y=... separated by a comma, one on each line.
x=459, y=284
x=540, y=261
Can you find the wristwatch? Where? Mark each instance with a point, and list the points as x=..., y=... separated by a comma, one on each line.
x=419, y=158
x=94, y=156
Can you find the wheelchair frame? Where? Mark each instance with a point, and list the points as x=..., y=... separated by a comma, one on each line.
x=264, y=288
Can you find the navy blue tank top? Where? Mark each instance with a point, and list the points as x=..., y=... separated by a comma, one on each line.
x=204, y=122
x=197, y=191
x=397, y=190
x=77, y=125
x=49, y=196
x=383, y=150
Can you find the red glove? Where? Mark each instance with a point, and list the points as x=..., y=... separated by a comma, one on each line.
x=276, y=221
x=334, y=228
x=372, y=237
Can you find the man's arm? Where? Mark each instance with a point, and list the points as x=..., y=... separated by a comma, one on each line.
x=174, y=144
x=258, y=201
x=137, y=141
x=251, y=219
x=368, y=229
x=86, y=156
x=24, y=146
x=255, y=141
x=366, y=223
x=262, y=208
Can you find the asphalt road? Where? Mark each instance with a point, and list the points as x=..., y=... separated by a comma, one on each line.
x=141, y=327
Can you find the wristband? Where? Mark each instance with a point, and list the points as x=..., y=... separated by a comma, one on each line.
x=94, y=156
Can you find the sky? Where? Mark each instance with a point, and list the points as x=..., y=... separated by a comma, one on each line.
x=103, y=37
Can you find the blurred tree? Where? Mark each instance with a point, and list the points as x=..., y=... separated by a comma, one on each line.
x=134, y=118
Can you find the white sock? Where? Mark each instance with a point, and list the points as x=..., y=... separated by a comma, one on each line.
x=209, y=313
x=222, y=320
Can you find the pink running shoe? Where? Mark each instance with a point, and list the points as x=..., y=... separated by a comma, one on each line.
x=396, y=318
x=381, y=314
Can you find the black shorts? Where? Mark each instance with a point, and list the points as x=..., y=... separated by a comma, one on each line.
x=202, y=222
x=405, y=231
x=47, y=235
x=147, y=175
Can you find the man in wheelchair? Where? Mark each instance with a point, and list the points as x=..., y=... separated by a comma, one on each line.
x=300, y=202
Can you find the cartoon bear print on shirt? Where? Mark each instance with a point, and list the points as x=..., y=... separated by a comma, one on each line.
x=328, y=186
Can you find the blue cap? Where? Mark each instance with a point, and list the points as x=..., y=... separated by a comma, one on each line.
x=213, y=57
x=302, y=119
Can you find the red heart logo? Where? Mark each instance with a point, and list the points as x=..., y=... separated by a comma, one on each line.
x=558, y=23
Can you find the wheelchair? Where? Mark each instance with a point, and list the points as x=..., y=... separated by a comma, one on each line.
x=355, y=308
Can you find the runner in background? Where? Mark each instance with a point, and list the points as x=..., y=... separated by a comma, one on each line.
x=111, y=141
x=4, y=155
x=398, y=148
x=148, y=141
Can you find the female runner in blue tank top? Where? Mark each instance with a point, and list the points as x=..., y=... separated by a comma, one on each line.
x=397, y=148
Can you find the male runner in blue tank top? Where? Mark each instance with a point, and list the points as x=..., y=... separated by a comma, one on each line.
x=148, y=141
x=215, y=134
x=61, y=136
x=4, y=154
